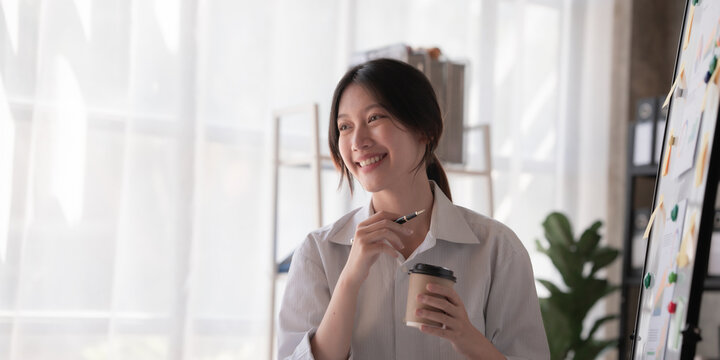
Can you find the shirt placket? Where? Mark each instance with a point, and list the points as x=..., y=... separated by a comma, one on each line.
x=400, y=302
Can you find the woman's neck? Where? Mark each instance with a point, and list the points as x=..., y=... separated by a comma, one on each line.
x=407, y=199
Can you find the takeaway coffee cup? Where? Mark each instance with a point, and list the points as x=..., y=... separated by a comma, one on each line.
x=420, y=276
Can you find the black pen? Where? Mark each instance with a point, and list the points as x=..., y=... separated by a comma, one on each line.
x=408, y=217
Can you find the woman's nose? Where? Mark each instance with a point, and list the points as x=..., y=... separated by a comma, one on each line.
x=361, y=139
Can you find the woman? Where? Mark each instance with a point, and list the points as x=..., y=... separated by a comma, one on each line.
x=346, y=291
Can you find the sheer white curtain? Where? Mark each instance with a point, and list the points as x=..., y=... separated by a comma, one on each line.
x=135, y=162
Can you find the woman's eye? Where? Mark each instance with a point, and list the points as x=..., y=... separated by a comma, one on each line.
x=374, y=117
x=342, y=127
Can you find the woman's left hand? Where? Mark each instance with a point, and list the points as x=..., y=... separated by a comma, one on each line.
x=466, y=339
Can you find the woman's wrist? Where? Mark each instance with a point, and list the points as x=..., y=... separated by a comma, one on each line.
x=484, y=348
x=348, y=283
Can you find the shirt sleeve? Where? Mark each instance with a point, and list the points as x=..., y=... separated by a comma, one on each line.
x=306, y=298
x=513, y=319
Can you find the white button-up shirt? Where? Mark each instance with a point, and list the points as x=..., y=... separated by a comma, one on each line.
x=494, y=280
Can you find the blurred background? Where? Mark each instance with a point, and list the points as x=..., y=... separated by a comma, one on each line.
x=137, y=197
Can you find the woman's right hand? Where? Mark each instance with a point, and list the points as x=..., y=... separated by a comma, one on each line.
x=376, y=235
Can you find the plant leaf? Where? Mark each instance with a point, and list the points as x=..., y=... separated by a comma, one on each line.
x=552, y=288
x=558, y=230
x=559, y=334
x=603, y=257
x=558, y=298
x=588, y=293
x=589, y=239
x=590, y=349
x=540, y=247
x=568, y=264
x=598, y=323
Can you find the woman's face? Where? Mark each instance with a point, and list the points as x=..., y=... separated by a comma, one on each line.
x=377, y=149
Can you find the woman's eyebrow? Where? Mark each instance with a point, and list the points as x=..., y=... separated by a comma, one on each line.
x=367, y=108
x=375, y=105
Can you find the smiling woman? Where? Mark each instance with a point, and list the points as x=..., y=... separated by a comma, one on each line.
x=348, y=296
x=374, y=144
x=379, y=92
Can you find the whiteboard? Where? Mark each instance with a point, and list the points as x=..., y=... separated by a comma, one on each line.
x=681, y=222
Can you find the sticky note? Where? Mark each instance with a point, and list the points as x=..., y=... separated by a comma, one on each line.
x=652, y=217
x=672, y=278
x=666, y=162
x=689, y=30
x=669, y=95
x=679, y=81
x=700, y=166
x=683, y=258
x=672, y=306
x=713, y=79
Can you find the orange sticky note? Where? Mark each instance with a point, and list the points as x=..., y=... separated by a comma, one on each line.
x=652, y=217
x=700, y=166
x=668, y=152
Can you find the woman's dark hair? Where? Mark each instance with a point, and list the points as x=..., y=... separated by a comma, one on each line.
x=408, y=96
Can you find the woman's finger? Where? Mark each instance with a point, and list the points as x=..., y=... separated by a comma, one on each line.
x=384, y=247
x=386, y=234
x=445, y=291
x=371, y=235
x=432, y=330
x=438, y=303
x=437, y=316
x=380, y=215
x=390, y=224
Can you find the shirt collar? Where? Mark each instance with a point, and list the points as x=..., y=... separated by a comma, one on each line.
x=446, y=223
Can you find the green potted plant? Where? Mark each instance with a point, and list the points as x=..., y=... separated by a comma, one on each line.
x=564, y=311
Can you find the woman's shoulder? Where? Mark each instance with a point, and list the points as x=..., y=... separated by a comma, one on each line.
x=333, y=230
x=492, y=232
x=338, y=232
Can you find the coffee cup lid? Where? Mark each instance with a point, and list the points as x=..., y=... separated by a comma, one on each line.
x=439, y=271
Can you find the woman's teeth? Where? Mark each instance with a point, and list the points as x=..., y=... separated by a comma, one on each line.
x=371, y=160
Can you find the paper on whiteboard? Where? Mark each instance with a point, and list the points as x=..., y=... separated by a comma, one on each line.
x=663, y=291
x=686, y=140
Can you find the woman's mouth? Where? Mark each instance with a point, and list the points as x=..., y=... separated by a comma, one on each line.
x=371, y=161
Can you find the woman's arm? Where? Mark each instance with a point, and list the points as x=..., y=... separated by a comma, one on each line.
x=457, y=328
x=372, y=238
x=513, y=324
x=333, y=336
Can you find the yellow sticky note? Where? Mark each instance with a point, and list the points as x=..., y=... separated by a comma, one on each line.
x=670, y=94
x=652, y=217
x=713, y=80
x=679, y=81
x=700, y=165
x=668, y=153
x=689, y=30
x=683, y=258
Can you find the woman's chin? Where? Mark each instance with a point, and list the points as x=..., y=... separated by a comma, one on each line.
x=370, y=186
